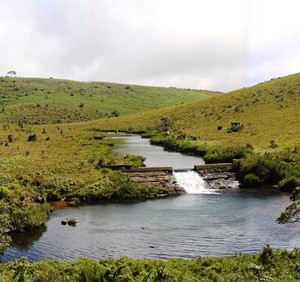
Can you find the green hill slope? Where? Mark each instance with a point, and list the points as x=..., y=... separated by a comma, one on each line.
x=39, y=101
x=268, y=113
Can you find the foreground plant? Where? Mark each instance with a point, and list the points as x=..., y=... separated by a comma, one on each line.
x=269, y=265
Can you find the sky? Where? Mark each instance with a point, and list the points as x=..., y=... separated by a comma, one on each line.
x=202, y=44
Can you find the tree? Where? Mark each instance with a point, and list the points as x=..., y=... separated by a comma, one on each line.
x=165, y=123
x=12, y=73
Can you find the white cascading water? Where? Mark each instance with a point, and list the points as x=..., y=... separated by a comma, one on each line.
x=192, y=182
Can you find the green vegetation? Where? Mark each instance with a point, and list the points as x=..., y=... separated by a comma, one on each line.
x=5, y=226
x=210, y=153
x=69, y=162
x=45, y=101
x=268, y=113
x=269, y=265
x=263, y=119
x=42, y=164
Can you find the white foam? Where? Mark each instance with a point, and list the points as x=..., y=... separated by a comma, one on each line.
x=192, y=182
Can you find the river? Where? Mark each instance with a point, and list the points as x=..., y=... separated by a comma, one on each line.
x=205, y=223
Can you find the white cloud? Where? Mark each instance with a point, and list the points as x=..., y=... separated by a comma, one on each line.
x=212, y=44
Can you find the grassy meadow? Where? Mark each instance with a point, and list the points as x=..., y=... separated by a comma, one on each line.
x=52, y=149
x=268, y=112
x=46, y=101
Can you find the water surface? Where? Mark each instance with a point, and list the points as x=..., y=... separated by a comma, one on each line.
x=206, y=224
x=155, y=155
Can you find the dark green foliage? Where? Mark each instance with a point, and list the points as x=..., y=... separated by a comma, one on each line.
x=259, y=169
x=23, y=208
x=114, y=113
x=288, y=184
x=165, y=124
x=116, y=186
x=224, y=154
x=29, y=217
x=10, y=138
x=251, y=180
x=32, y=137
x=5, y=227
x=267, y=255
x=269, y=265
x=211, y=154
x=235, y=127
x=273, y=144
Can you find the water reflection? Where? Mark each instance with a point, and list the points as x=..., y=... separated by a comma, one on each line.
x=24, y=241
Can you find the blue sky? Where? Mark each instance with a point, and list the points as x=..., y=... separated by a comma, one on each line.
x=204, y=44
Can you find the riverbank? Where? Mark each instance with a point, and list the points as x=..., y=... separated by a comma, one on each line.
x=40, y=165
x=252, y=169
x=268, y=265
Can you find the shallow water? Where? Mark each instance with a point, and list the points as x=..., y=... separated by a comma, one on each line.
x=155, y=155
x=218, y=223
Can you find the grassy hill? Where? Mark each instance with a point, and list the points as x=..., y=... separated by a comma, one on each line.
x=268, y=113
x=41, y=101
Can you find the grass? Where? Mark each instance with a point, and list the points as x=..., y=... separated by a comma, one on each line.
x=42, y=163
x=269, y=265
x=269, y=113
x=44, y=101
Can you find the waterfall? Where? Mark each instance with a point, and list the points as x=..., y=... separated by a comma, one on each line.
x=192, y=182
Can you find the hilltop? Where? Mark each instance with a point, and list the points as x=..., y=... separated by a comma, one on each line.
x=46, y=101
x=268, y=114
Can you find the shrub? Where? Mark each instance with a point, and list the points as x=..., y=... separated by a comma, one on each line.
x=269, y=171
x=32, y=137
x=29, y=217
x=266, y=256
x=288, y=184
x=251, y=180
x=235, y=127
x=10, y=138
x=224, y=154
x=273, y=144
x=114, y=113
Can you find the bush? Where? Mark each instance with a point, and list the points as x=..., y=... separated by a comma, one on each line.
x=224, y=154
x=266, y=256
x=235, y=127
x=269, y=171
x=10, y=138
x=288, y=184
x=114, y=113
x=251, y=180
x=29, y=217
x=32, y=137
x=211, y=154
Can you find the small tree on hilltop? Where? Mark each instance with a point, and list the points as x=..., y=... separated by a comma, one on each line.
x=12, y=73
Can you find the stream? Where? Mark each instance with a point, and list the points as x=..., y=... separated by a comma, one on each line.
x=204, y=222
